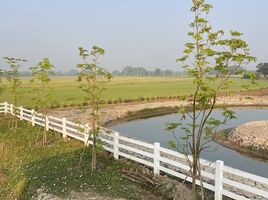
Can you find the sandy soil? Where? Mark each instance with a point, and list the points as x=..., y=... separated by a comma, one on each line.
x=114, y=112
x=251, y=134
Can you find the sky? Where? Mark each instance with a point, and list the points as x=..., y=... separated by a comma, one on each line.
x=148, y=33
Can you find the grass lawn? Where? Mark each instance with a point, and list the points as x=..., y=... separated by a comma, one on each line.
x=67, y=92
x=25, y=166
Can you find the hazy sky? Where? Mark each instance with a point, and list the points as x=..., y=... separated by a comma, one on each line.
x=148, y=33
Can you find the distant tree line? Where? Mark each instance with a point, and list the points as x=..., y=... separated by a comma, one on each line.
x=126, y=71
x=57, y=73
x=142, y=72
x=260, y=72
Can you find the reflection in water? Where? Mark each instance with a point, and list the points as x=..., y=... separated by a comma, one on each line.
x=153, y=130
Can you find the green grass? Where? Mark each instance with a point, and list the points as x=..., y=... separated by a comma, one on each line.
x=25, y=166
x=66, y=89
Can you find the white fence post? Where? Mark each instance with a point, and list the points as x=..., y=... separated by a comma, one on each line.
x=218, y=180
x=21, y=113
x=11, y=109
x=46, y=123
x=86, y=134
x=156, y=158
x=116, y=142
x=33, y=117
x=64, y=132
x=6, y=104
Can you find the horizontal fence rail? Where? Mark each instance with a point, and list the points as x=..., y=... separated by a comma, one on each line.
x=222, y=180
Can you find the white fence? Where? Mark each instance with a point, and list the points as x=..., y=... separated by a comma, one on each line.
x=222, y=180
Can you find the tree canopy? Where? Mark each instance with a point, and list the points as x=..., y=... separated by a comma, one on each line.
x=262, y=68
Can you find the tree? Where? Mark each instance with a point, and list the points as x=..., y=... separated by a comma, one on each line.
x=93, y=76
x=43, y=94
x=158, y=72
x=15, y=84
x=262, y=68
x=207, y=51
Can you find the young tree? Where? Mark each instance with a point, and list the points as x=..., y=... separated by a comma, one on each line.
x=14, y=84
x=207, y=51
x=43, y=94
x=93, y=76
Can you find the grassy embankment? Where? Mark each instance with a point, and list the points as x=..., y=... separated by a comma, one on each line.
x=123, y=89
x=25, y=166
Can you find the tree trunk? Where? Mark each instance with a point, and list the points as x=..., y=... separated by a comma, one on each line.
x=194, y=172
x=94, y=159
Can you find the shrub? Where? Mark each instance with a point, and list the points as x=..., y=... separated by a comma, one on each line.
x=85, y=103
x=102, y=102
x=251, y=75
x=153, y=98
x=116, y=101
x=129, y=100
x=141, y=98
x=120, y=100
x=72, y=104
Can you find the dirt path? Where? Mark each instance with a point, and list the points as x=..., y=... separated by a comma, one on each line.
x=119, y=112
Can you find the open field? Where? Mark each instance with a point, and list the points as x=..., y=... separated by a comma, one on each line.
x=67, y=92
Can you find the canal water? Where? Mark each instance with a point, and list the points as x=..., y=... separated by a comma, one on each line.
x=153, y=130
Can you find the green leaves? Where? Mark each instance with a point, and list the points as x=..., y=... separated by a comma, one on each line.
x=228, y=114
x=91, y=72
x=12, y=76
x=214, y=122
x=83, y=53
x=209, y=58
x=236, y=33
x=172, y=126
x=92, y=77
x=97, y=51
x=172, y=144
x=43, y=95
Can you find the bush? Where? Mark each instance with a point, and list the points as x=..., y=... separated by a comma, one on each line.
x=153, y=98
x=141, y=98
x=84, y=103
x=129, y=100
x=72, y=104
x=182, y=98
x=116, y=101
x=120, y=100
x=251, y=75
